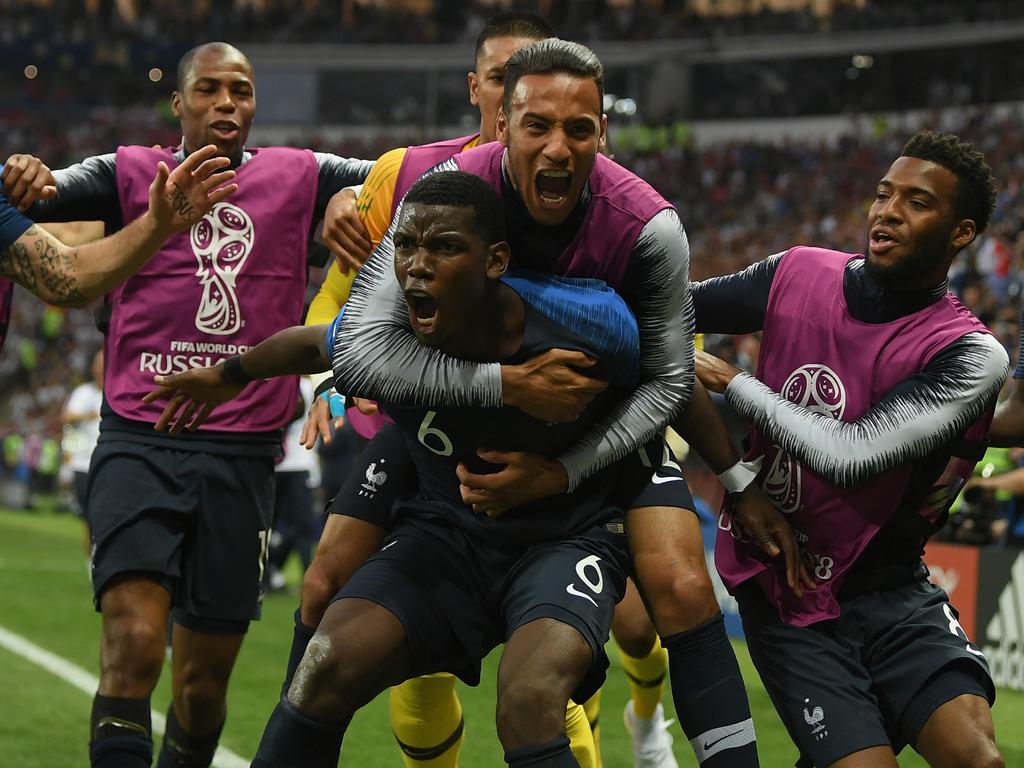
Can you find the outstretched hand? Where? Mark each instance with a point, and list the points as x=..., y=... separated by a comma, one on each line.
x=525, y=477
x=191, y=396
x=754, y=516
x=26, y=179
x=550, y=386
x=179, y=198
x=344, y=232
x=713, y=372
x=318, y=424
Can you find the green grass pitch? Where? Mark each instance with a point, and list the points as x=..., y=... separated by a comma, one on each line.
x=45, y=598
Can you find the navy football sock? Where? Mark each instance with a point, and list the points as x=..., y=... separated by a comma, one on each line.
x=292, y=740
x=181, y=749
x=709, y=695
x=121, y=733
x=552, y=754
x=301, y=636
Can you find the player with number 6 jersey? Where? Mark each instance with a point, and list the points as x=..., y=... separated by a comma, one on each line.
x=449, y=584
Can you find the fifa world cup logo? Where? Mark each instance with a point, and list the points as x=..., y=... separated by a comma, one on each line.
x=221, y=241
x=817, y=388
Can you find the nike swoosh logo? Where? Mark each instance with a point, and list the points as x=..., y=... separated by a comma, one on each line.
x=709, y=744
x=975, y=651
x=658, y=479
x=576, y=593
x=389, y=545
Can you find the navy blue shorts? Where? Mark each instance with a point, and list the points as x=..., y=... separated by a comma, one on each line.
x=871, y=677
x=382, y=474
x=198, y=523
x=458, y=597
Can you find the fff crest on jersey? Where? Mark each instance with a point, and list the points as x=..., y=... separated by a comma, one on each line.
x=817, y=388
x=221, y=241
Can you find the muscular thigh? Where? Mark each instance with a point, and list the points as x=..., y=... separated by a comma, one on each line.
x=428, y=577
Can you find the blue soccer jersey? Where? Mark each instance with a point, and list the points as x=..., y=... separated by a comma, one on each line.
x=563, y=313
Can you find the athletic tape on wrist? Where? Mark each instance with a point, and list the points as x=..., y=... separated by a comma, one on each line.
x=740, y=475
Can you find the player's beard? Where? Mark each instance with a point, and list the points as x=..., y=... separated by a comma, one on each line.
x=907, y=271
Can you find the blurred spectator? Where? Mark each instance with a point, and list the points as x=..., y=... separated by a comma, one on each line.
x=992, y=507
x=81, y=418
x=295, y=527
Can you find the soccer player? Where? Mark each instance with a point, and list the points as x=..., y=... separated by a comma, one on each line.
x=572, y=212
x=450, y=583
x=73, y=277
x=872, y=398
x=426, y=715
x=180, y=527
x=81, y=417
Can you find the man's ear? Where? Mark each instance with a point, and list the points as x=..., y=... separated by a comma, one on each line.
x=964, y=233
x=498, y=259
x=474, y=84
x=501, y=126
x=176, y=104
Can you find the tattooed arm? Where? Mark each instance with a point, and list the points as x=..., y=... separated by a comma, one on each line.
x=72, y=277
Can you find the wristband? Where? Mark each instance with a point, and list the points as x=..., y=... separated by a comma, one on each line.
x=335, y=401
x=234, y=372
x=326, y=384
x=740, y=475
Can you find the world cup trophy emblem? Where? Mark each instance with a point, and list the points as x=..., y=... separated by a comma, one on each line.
x=817, y=388
x=221, y=241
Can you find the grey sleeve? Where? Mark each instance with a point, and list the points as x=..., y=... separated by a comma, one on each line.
x=735, y=303
x=657, y=290
x=917, y=416
x=86, y=191
x=333, y=175
x=377, y=356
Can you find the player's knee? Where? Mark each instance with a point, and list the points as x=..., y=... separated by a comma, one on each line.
x=634, y=633
x=529, y=712
x=133, y=650
x=985, y=755
x=328, y=684
x=680, y=595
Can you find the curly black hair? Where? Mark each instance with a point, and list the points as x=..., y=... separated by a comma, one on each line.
x=459, y=189
x=976, y=187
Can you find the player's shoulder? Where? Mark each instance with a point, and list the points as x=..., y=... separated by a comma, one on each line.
x=622, y=189
x=582, y=307
x=392, y=159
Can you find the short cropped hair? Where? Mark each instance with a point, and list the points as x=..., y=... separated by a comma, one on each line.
x=185, y=64
x=976, y=187
x=522, y=24
x=459, y=189
x=552, y=55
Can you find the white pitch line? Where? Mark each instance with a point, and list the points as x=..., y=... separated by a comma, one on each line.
x=77, y=677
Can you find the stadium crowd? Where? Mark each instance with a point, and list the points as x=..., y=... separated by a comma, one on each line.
x=443, y=21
